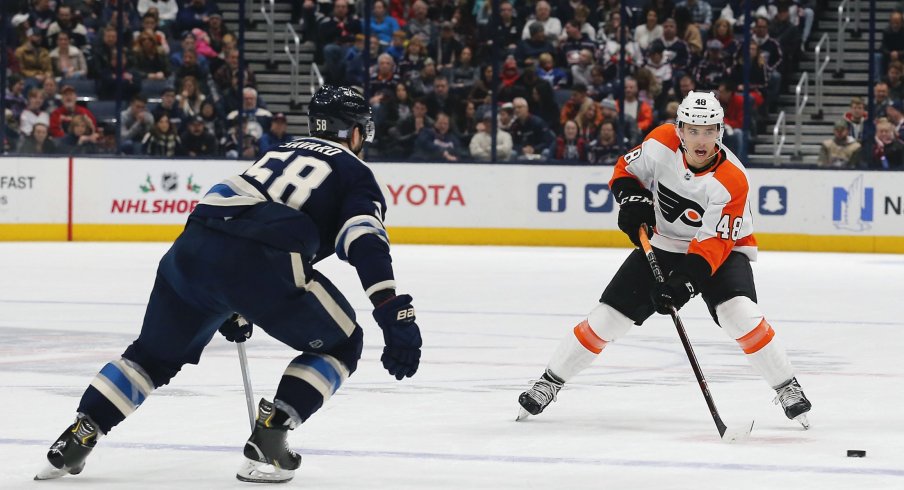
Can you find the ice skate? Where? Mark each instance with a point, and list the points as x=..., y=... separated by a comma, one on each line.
x=539, y=396
x=793, y=401
x=67, y=455
x=268, y=458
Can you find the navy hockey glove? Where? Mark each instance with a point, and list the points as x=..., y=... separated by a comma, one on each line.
x=635, y=208
x=402, y=337
x=236, y=328
x=675, y=291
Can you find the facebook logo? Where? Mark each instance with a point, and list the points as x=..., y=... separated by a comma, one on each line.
x=551, y=198
x=773, y=201
x=598, y=198
x=852, y=207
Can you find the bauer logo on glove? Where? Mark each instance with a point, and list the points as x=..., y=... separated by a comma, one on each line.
x=405, y=314
x=401, y=335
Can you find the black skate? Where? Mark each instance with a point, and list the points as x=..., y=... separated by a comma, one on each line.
x=793, y=401
x=67, y=455
x=268, y=458
x=539, y=396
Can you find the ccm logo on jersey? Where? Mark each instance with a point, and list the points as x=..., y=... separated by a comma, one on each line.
x=674, y=206
x=405, y=314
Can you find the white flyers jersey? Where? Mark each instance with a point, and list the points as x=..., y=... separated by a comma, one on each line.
x=705, y=213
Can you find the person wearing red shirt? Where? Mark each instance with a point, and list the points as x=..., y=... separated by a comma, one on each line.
x=733, y=103
x=60, y=118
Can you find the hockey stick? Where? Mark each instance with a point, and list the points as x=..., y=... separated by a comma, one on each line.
x=726, y=434
x=246, y=381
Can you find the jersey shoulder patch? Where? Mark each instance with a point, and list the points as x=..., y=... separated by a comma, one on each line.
x=665, y=134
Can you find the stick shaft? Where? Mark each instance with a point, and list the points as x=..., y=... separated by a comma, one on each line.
x=682, y=334
x=701, y=380
x=246, y=381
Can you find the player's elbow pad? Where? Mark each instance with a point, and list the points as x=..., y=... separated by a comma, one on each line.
x=356, y=228
x=370, y=257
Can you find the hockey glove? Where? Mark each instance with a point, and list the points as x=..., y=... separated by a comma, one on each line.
x=635, y=209
x=402, y=337
x=236, y=329
x=674, y=292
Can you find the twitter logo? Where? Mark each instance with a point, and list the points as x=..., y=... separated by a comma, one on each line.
x=598, y=198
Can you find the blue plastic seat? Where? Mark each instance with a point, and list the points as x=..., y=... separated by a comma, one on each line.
x=154, y=88
x=105, y=110
x=83, y=86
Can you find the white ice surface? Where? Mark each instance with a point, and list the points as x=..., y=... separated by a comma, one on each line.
x=490, y=318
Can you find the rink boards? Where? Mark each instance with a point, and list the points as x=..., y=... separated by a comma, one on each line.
x=116, y=199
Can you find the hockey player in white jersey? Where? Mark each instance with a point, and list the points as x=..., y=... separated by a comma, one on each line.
x=692, y=193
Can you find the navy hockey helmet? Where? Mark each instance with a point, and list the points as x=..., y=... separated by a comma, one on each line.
x=335, y=111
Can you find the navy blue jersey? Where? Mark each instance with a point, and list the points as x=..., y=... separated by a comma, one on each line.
x=329, y=184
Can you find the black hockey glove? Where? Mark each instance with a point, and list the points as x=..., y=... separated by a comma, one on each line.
x=402, y=337
x=635, y=208
x=675, y=291
x=236, y=328
x=683, y=283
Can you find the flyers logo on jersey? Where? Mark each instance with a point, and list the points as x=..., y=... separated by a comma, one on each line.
x=675, y=206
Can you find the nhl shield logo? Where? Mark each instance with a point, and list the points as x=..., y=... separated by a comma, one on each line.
x=169, y=182
x=316, y=344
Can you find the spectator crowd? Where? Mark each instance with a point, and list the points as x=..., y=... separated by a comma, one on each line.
x=875, y=141
x=563, y=91
x=578, y=81
x=177, y=76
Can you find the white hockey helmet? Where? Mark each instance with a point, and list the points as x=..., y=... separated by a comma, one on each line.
x=703, y=109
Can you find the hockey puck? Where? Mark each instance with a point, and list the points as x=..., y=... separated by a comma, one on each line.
x=856, y=453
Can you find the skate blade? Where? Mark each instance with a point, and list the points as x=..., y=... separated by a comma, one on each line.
x=522, y=414
x=738, y=434
x=257, y=472
x=802, y=420
x=51, y=472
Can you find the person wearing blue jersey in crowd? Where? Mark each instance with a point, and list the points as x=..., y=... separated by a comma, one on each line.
x=277, y=134
x=247, y=257
x=382, y=24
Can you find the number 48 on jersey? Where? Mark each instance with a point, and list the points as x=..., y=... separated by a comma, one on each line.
x=731, y=230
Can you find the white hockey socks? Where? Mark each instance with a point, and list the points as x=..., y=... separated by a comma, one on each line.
x=581, y=345
x=742, y=319
x=575, y=352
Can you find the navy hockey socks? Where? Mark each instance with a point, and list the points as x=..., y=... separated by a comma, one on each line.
x=117, y=390
x=310, y=380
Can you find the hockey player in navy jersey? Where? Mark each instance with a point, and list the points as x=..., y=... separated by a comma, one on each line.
x=246, y=257
x=692, y=195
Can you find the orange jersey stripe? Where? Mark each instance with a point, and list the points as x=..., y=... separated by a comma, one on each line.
x=716, y=249
x=667, y=134
x=757, y=338
x=621, y=169
x=734, y=181
x=747, y=241
x=588, y=338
